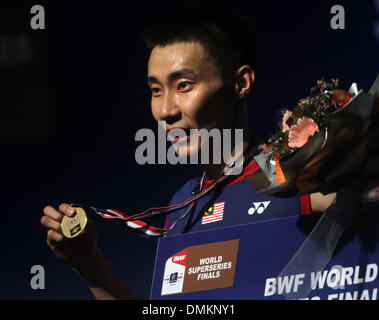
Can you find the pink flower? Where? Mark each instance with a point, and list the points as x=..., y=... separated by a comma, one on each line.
x=286, y=116
x=301, y=131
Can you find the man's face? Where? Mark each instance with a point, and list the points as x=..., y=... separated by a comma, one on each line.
x=188, y=91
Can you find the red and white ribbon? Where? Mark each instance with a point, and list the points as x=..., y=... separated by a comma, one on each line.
x=136, y=224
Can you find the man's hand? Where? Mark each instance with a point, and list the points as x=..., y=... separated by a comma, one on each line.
x=83, y=254
x=77, y=251
x=320, y=202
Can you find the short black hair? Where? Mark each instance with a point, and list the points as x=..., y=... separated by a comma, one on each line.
x=227, y=37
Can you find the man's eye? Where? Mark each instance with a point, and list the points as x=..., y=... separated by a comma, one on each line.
x=155, y=90
x=183, y=85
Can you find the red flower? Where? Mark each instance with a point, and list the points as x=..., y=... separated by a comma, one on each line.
x=341, y=98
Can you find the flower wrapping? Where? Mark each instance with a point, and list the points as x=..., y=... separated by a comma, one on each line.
x=322, y=143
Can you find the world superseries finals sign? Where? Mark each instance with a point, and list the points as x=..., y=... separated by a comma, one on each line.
x=245, y=261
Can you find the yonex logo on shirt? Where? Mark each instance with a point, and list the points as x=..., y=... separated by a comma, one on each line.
x=258, y=207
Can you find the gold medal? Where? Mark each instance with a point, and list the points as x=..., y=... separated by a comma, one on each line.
x=73, y=226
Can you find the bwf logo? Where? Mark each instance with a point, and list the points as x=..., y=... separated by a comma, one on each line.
x=258, y=207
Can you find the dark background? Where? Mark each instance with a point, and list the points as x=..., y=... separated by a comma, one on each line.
x=73, y=96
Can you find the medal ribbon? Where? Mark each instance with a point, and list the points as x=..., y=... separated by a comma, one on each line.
x=136, y=224
x=141, y=226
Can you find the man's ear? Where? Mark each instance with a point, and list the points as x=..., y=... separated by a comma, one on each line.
x=243, y=81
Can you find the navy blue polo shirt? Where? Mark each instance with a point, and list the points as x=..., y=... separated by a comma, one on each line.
x=235, y=204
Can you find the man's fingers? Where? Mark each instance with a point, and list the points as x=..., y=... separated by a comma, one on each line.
x=371, y=192
x=53, y=235
x=67, y=209
x=50, y=223
x=52, y=213
x=64, y=209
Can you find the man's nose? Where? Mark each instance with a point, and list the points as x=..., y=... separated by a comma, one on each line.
x=169, y=111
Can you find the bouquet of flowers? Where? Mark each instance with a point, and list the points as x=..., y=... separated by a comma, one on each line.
x=320, y=144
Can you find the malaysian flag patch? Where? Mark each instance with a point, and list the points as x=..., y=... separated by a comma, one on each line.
x=213, y=213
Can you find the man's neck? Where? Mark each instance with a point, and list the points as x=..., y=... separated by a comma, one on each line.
x=213, y=171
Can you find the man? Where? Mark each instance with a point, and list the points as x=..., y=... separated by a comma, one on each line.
x=200, y=71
